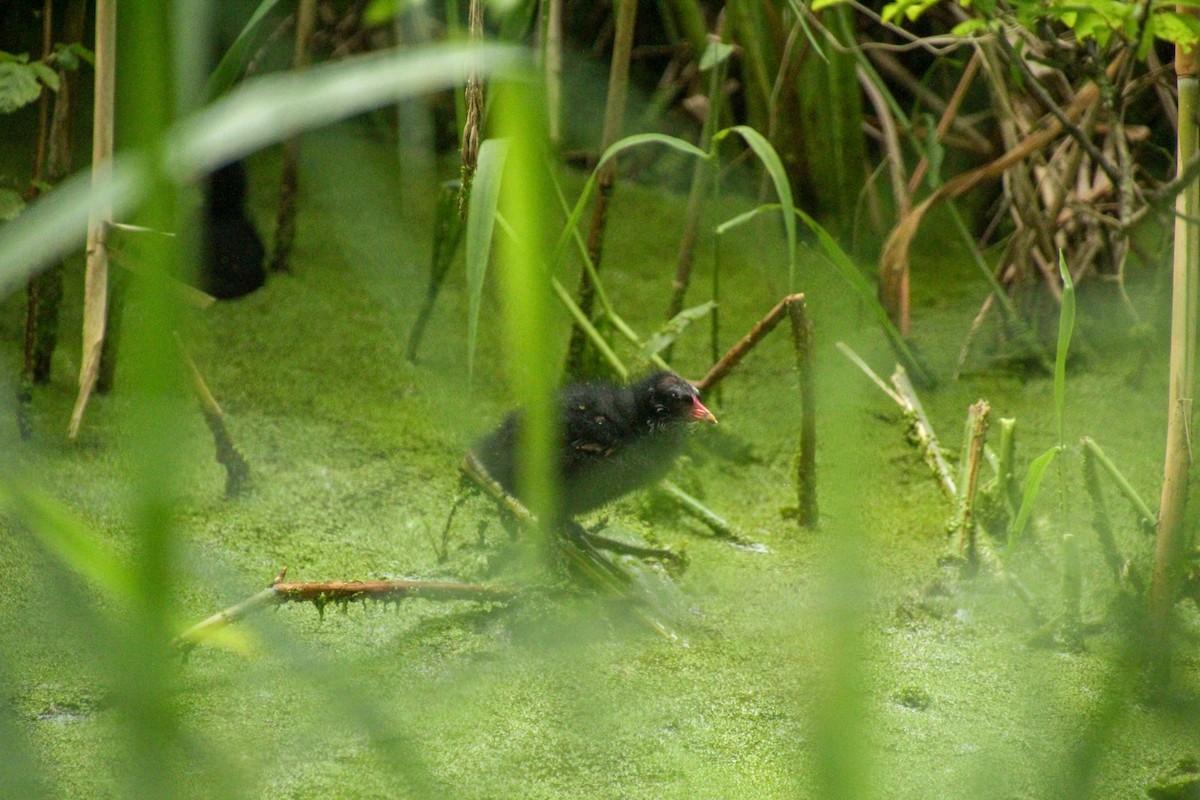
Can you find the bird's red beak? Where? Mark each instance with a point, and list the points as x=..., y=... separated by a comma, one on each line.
x=700, y=413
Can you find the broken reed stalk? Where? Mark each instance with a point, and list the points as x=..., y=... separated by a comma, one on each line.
x=1147, y=519
x=922, y=431
x=806, y=470
x=237, y=471
x=806, y=455
x=285, y=229
x=553, y=70
x=614, y=113
x=320, y=593
x=95, y=301
x=968, y=480
x=1006, y=483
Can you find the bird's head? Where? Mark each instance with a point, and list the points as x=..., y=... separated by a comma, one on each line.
x=673, y=399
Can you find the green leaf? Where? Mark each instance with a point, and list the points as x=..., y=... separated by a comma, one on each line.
x=379, y=12
x=1181, y=29
x=615, y=149
x=1033, y=482
x=55, y=224
x=970, y=26
x=1066, y=324
x=783, y=189
x=80, y=51
x=714, y=54
x=665, y=336
x=481, y=222
x=235, y=58
x=18, y=86
x=822, y=4
x=46, y=75
x=68, y=537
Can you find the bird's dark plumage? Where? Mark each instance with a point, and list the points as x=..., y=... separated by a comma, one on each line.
x=614, y=438
x=232, y=260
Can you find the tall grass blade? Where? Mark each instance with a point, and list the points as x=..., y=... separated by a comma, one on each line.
x=238, y=54
x=68, y=537
x=259, y=112
x=783, y=188
x=848, y=270
x=527, y=204
x=671, y=330
x=277, y=106
x=481, y=221
x=618, y=147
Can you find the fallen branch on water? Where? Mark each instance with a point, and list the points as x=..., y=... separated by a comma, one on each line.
x=321, y=593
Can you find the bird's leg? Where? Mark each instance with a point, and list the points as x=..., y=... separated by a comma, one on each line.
x=624, y=548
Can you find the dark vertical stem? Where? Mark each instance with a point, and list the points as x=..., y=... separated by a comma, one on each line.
x=614, y=113
x=34, y=303
x=474, y=102
x=701, y=178
x=806, y=456
x=285, y=229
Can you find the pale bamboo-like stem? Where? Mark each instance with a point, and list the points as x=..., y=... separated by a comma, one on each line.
x=95, y=302
x=1172, y=537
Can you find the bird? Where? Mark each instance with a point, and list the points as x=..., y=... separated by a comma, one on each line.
x=232, y=259
x=613, y=438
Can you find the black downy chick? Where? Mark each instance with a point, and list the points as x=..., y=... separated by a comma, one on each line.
x=232, y=258
x=614, y=438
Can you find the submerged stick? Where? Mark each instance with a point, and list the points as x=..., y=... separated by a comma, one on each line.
x=321, y=592
x=237, y=471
